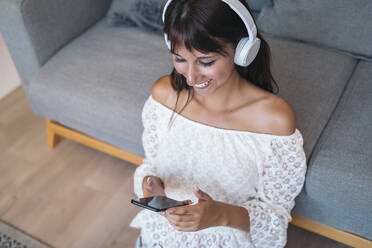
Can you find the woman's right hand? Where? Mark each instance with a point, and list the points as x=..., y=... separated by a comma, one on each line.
x=152, y=186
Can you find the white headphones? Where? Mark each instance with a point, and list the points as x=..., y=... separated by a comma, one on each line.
x=247, y=47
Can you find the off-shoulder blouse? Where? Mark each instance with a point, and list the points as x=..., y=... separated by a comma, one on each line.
x=261, y=172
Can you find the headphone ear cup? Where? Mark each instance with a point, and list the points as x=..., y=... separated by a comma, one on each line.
x=246, y=51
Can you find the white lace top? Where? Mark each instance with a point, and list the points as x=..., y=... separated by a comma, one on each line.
x=260, y=172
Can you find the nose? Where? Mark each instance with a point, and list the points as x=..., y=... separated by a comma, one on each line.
x=192, y=74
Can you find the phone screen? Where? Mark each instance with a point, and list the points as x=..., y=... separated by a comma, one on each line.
x=157, y=203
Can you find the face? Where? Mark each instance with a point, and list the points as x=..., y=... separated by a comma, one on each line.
x=204, y=72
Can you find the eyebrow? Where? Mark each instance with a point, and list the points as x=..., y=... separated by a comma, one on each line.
x=201, y=57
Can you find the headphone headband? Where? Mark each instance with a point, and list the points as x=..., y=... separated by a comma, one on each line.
x=248, y=47
x=240, y=9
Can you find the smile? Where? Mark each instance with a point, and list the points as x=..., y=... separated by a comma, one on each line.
x=203, y=85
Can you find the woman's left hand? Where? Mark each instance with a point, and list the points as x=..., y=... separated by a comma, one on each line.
x=206, y=213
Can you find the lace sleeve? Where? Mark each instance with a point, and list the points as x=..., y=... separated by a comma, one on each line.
x=282, y=175
x=150, y=140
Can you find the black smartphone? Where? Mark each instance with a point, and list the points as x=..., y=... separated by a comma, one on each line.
x=157, y=203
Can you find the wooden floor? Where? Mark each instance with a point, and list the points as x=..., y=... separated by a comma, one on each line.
x=73, y=196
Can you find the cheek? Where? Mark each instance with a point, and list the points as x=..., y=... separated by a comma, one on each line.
x=180, y=67
x=221, y=71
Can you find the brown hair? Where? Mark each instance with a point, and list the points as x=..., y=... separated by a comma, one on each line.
x=207, y=26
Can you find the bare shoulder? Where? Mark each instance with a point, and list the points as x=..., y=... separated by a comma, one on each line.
x=270, y=114
x=163, y=92
x=279, y=115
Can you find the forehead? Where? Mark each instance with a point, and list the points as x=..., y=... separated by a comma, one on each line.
x=183, y=51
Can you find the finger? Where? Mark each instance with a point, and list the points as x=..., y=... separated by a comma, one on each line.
x=179, y=210
x=177, y=219
x=187, y=202
x=176, y=222
x=201, y=195
x=149, y=181
x=186, y=227
x=192, y=228
x=153, y=186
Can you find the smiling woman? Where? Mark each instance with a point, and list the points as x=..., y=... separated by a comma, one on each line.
x=233, y=153
x=203, y=30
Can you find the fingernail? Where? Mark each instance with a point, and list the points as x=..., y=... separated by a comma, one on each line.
x=196, y=188
x=149, y=181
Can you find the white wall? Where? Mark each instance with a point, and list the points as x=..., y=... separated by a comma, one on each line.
x=9, y=79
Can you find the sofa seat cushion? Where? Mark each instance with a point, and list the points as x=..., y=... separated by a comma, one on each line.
x=312, y=80
x=333, y=216
x=341, y=169
x=99, y=82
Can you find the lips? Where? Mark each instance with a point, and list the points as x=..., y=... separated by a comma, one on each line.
x=203, y=85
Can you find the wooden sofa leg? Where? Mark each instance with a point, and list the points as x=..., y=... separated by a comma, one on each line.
x=52, y=136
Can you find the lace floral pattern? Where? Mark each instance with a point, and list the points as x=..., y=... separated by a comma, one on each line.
x=150, y=137
x=282, y=177
x=263, y=173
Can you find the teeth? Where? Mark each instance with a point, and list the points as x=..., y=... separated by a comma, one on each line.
x=203, y=84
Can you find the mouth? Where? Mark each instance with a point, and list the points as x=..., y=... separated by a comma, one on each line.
x=203, y=85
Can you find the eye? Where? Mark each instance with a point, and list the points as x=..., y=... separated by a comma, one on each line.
x=179, y=60
x=208, y=64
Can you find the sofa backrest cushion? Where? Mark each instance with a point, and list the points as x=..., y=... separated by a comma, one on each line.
x=338, y=24
x=258, y=5
x=52, y=24
x=147, y=14
x=310, y=79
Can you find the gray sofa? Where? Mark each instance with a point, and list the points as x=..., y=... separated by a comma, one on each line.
x=87, y=75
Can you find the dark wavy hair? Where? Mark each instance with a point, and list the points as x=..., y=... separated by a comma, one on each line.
x=207, y=26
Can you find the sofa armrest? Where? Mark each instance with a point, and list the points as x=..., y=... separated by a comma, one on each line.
x=35, y=30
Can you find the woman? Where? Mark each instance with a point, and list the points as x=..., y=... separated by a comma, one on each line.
x=217, y=137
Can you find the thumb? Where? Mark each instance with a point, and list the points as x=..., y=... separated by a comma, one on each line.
x=201, y=195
